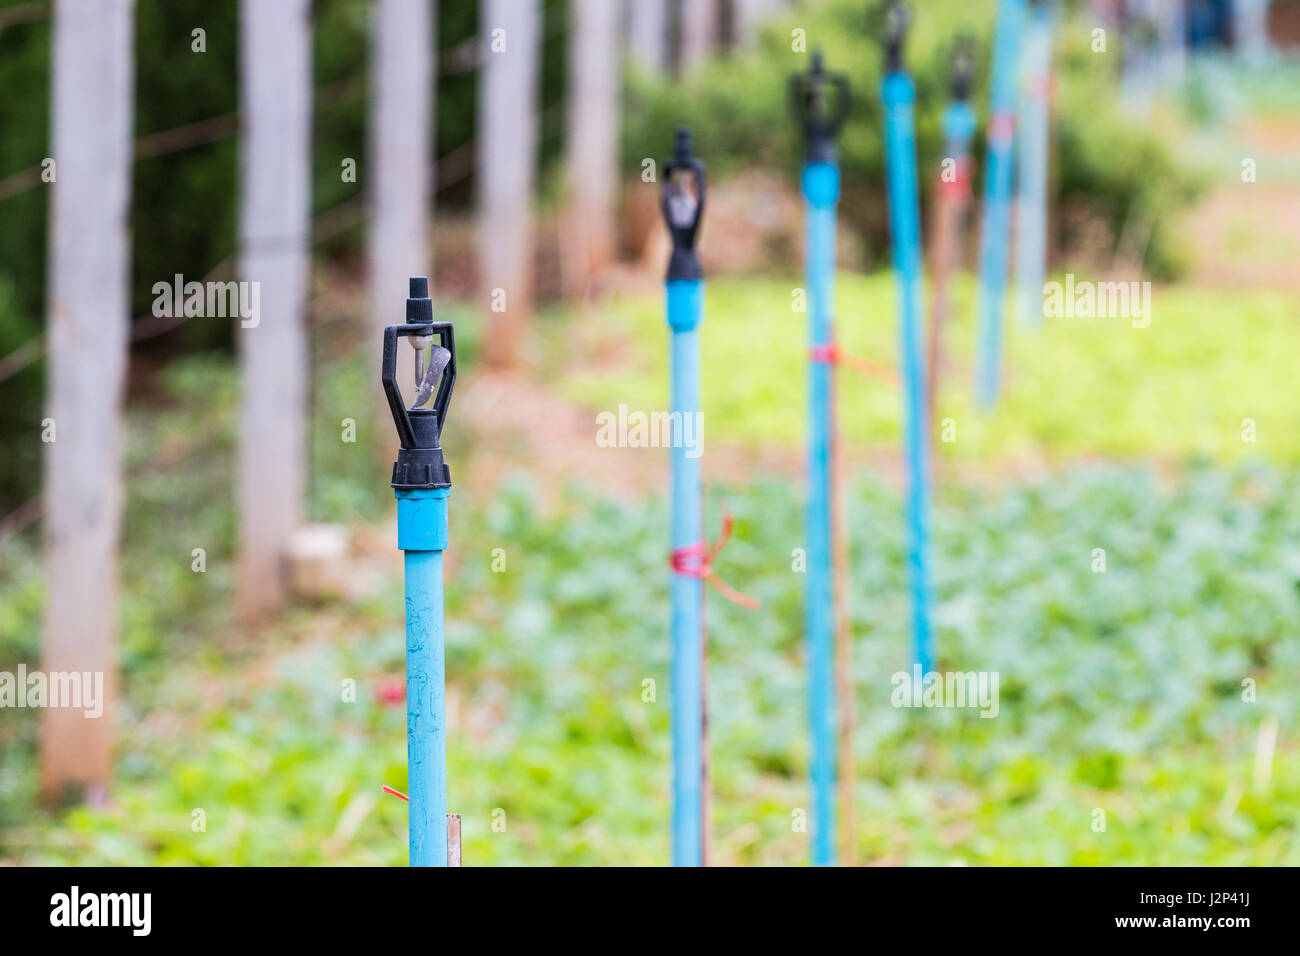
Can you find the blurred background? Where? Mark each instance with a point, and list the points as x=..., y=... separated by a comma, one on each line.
x=213, y=525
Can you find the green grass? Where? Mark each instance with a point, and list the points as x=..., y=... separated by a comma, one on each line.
x=1076, y=388
x=1120, y=691
x=1219, y=86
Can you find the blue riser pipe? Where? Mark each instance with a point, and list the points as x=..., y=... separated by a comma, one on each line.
x=899, y=95
x=422, y=535
x=1031, y=209
x=685, y=307
x=821, y=190
x=958, y=128
x=995, y=237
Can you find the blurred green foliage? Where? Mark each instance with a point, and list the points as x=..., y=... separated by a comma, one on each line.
x=1221, y=87
x=1105, y=166
x=1077, y=387
x=185, y=204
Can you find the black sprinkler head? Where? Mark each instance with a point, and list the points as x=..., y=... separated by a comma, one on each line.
x=897, y=20
x=419, y=461
x=681, y=198
x=820, y=102
x=961, y=68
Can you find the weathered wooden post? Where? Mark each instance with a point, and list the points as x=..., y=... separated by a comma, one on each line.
x=275, y=67
x=400, y=178
x=593, y=140
x=698, y=33
x=507, y=151
x=88, y=320
x=648, y=34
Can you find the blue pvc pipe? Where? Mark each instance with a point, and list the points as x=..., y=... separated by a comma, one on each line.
x=995, y=238
x=422, y=534
x=821, y=190
x=1031, y=208
x=685, y=307
x=898, y=95
x=958, y=128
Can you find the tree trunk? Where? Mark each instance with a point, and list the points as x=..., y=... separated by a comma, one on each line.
x=1249, y=28
x=507, y=134
x=748, y=16
x=699, y=32
x=402, y=70
x=275, y=64
x=88, y=321
x=593, y=140
x=648, y=34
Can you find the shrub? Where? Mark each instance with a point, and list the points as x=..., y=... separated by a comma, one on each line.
x=1105, y=165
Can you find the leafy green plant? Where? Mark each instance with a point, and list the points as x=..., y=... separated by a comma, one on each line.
x=1120, y=691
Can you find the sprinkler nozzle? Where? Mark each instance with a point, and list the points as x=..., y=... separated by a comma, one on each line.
x=419, y=461
x=682, y=145
x=681, y=198
x=820, y=102
x=961, y=69
x=897, y=20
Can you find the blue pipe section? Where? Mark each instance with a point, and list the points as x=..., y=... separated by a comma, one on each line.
x=899, y=95
x=422, y=534
x=995, y=238
x=685, y=308
x=1031, y=210
x=821, y=191
x=958, y=128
